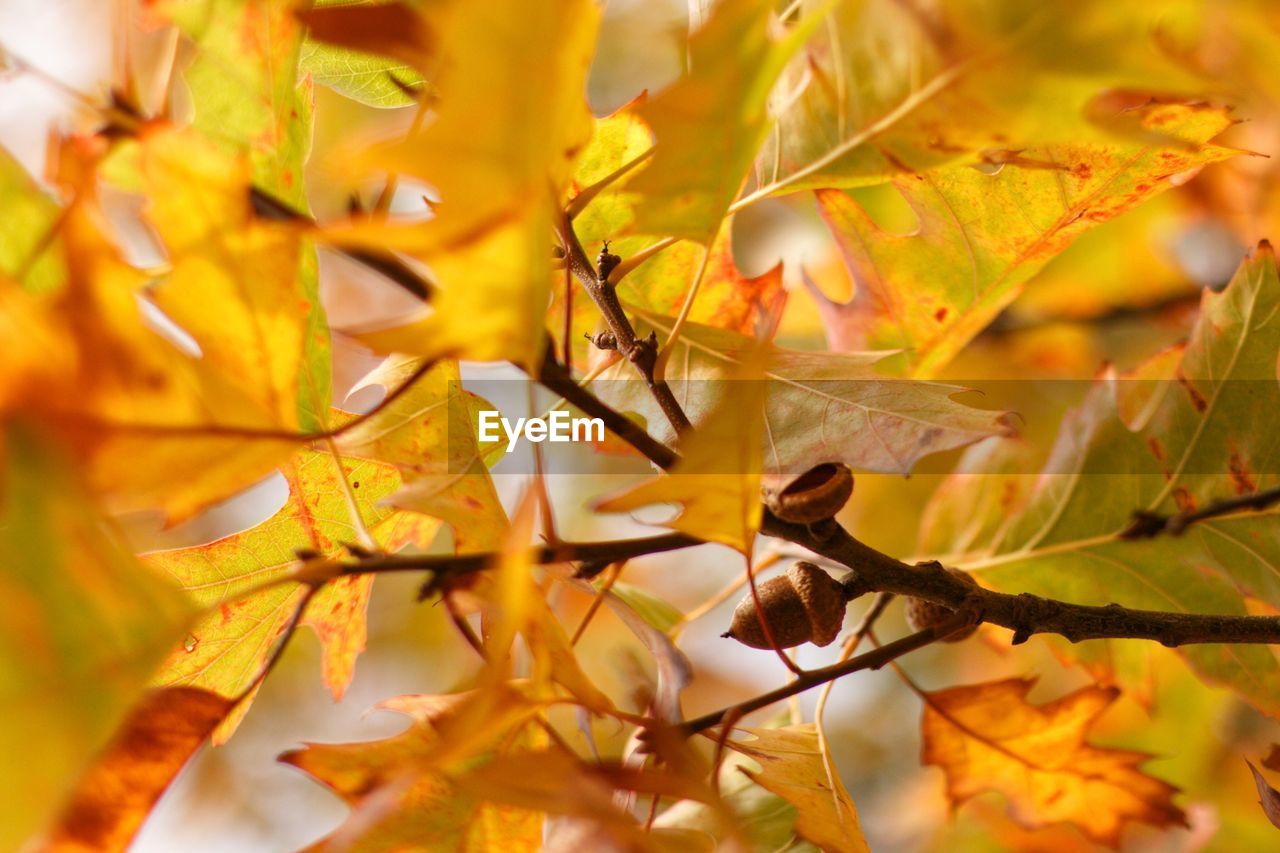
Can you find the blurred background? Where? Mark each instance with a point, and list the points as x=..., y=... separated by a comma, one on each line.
x=1150, y=264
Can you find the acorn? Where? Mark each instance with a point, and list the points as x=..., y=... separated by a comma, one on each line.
x=804, y=605
x=923, y=614
x=816, y=495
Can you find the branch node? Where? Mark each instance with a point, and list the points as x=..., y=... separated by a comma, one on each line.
x=606, y=261
x=603, y=340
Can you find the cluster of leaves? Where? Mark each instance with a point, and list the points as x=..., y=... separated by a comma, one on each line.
x=1009, y=130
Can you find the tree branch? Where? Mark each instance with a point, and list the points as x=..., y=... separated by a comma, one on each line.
x=1146, y=525
x=555, y=377
x=643, y=353
x=1025, y=614
x=446, y=567
x=873, y=659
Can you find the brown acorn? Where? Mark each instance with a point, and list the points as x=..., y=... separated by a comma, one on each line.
x=804, y=605
x=923, y=614
x=816, y=495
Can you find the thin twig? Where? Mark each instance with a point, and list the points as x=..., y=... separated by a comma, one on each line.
x=1146, y=525
x=812, y=678
x=643, y=353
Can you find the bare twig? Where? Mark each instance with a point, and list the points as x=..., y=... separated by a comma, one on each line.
x=1149, y=524
x=642, y=352
x=870, y=660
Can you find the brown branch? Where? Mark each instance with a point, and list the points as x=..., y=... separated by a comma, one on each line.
x=1149, y=524
x=389, y=266
x=446, y=567
x=1026, y=614
x=642, y=352
x=873, y=659
x=555, y=377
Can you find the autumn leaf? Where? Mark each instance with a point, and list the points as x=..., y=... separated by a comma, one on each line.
x=90, y=368
x=429, y=434
x=262, y=113
x=814, y=403
x=980, y=236
x=198, y=203
x=1268, y=797
x=1182, y=433
x=155, y=741
x=27, y=254
x=89, y=626
x=497, y=180
x=794, y=767
x=989, y=737
x=392, y=29
x=401, y=789
x=709, y=125
x=716, y=482
x=328, y=505
x=885, y=91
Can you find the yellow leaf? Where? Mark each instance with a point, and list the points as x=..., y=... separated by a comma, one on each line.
x=221, y=255
x=980, y=236
x=428, y=433
x=499, y=152
x=402, y=789
x=227, y=648
x=794, y=767
x=989, y=737
x=717, y=480
x=516, y=605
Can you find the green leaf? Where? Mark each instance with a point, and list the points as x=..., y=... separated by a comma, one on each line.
x=1195, y=429
x=710, y=123
x=30, y=224
x=363, y=77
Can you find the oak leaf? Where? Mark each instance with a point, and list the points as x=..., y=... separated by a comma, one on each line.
x=328, y=505
x=710, y=124
x=989, y=737
x=716, y=482
x=497, y=180
x=794, y=765
x=1185, y=430
x=980, y=237
x=818, y=407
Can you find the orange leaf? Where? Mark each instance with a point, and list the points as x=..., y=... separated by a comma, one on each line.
x=152, y=744
x=987, y=737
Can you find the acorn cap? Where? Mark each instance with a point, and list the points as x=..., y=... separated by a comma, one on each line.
x=816, y=495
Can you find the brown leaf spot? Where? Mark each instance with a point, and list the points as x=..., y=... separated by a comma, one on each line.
x=1197, y=399
x=1157, y=449
x=1241, y=477
x=940, y=315
x=1184, y=500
